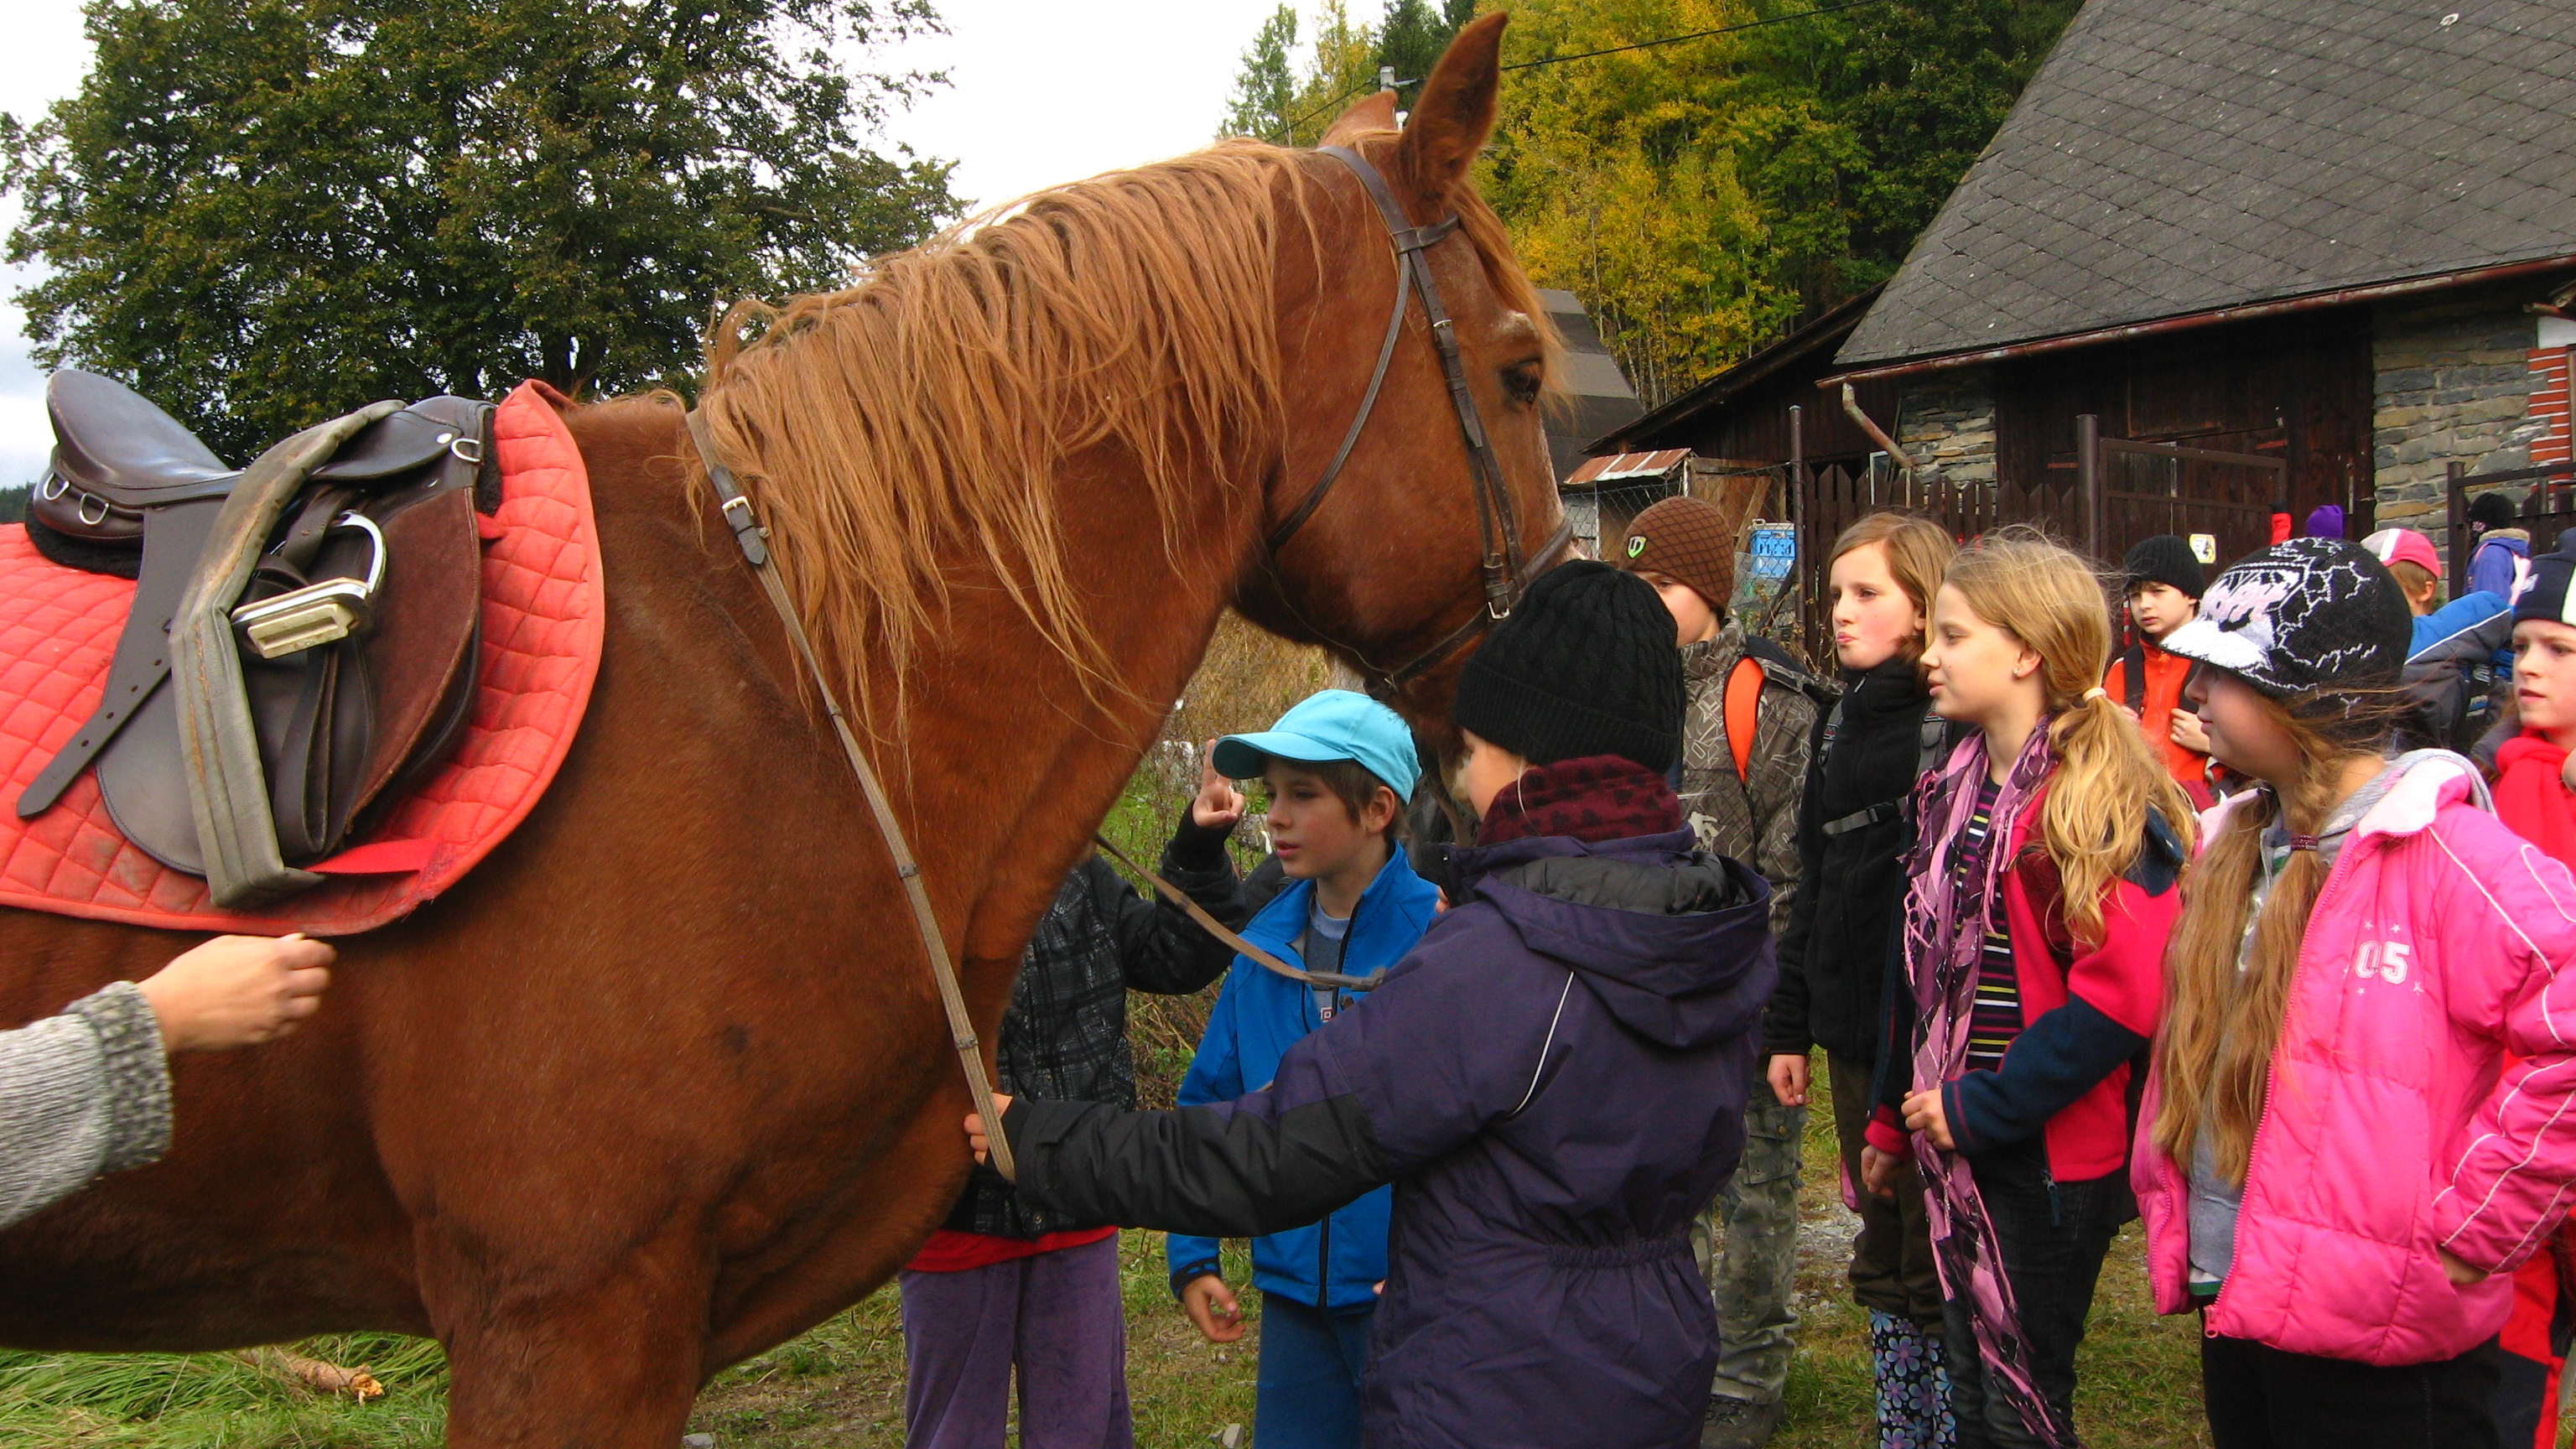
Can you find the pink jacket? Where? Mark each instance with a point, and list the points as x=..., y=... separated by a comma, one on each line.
x=2439, y=943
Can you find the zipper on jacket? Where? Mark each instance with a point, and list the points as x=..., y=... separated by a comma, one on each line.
x=2254, y=1147
x=1324, y=1264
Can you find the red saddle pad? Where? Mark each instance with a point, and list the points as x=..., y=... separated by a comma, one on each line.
x=544, y=614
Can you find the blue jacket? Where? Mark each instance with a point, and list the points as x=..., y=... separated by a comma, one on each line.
x=1337, y=1263
x=2469, y=619
x=2491, y=568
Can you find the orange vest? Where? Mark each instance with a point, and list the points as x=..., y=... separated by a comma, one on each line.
x=2165, y=674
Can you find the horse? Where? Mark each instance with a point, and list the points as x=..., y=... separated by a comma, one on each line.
x=665, y=1081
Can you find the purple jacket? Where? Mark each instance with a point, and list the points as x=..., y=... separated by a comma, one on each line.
x=1554, y=1080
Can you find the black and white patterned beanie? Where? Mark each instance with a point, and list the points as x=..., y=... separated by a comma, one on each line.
x=2306, y=617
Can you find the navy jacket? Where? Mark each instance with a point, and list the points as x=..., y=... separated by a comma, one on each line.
x=1334, y=1263
x=1554, y=1081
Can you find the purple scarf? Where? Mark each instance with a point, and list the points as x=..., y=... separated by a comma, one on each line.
x=1941, y=955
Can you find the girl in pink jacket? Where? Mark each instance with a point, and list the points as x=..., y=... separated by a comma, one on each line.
x=2336, y=1165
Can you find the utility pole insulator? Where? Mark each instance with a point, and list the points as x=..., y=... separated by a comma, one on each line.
x=1386, y=77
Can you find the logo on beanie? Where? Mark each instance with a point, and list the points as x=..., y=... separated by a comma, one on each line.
x=1636, y=544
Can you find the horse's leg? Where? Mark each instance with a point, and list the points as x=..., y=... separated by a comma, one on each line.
x=610, y=1362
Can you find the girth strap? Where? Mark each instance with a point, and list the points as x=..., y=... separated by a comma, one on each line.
x=752, y=538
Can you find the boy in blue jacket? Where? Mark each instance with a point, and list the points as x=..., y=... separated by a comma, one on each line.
x=1337, y=768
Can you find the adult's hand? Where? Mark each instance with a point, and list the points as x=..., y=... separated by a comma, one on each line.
x=1212, y=1309
x=237, y=991
x=1788, y=1076
x=977, y=1138
x=1218, y=804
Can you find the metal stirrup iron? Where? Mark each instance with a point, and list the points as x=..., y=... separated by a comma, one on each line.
x=961, y=1026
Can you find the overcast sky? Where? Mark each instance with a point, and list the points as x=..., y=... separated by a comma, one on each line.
x=1042, y=92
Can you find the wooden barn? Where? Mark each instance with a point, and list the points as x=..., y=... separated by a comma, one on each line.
x=2225, y=259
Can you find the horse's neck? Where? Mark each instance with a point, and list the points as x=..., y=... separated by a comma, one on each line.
x=1015, y=752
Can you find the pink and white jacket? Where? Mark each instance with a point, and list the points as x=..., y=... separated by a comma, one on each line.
x=2440, y=942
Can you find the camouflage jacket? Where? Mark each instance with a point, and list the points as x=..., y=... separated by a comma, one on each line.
x=1754, y=819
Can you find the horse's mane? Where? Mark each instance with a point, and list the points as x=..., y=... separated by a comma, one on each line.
x=935, y=401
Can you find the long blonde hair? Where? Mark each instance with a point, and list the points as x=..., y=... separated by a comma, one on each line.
x=2221, y=1024
x=1917, y=550
x=2093, y=818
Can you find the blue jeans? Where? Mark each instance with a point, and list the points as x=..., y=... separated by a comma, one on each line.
x=1308, y=1392
x=2053, y=1235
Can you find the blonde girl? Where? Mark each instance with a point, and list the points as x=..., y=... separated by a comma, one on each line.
x=2041, y=894
x=1855, y=831
x=2340, y=1169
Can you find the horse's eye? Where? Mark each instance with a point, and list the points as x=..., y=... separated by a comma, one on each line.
x=1522, y=381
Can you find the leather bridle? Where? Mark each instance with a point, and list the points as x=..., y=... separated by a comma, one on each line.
x=1504, y=571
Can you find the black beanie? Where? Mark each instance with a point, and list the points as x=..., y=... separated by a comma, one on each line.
x=2552, y=592
x=2493, y=509
x=1584, y=666
x=2164, y=559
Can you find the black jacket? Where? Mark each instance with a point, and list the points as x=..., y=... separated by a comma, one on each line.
x=1842, y=934
x=1064, y=1038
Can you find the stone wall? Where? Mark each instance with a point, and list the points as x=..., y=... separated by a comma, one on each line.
x=2452, y=383
x=1947, y=425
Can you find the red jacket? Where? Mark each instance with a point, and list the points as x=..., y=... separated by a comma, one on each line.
x=2087, y=1015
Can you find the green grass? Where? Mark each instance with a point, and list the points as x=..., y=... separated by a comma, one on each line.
x=842, y=1383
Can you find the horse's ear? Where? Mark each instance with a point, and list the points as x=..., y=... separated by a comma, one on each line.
x=1449, y=124
x=1372, y=113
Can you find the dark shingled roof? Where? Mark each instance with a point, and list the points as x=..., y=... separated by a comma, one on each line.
x=2174, y=157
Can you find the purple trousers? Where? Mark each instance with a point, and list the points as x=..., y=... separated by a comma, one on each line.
x=1057, y=1316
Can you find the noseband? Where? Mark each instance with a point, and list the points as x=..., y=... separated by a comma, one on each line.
x=1504, y=570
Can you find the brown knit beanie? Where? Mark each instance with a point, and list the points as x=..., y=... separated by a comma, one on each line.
x=1689, y=539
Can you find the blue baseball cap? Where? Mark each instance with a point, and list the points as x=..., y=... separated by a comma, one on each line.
x=1333, y=724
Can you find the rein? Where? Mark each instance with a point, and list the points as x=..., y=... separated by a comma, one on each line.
x=1249, y=951
x=748, y=533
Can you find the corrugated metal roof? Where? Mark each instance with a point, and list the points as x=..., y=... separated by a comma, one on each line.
x=1596, y=471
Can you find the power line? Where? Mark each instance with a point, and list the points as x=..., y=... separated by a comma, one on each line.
x=1284, y=132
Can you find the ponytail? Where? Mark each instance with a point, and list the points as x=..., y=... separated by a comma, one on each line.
x=2093, y=818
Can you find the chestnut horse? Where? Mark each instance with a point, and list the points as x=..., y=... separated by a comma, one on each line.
x=665, y=1082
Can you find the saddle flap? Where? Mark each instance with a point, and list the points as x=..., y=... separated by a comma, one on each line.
x=401, y=444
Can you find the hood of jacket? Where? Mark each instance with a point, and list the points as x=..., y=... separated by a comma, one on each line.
x=2427, y=780
x=1675, y=943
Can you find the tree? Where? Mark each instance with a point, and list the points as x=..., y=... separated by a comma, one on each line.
x=1704, y=195
x=1265, y=94
x=266, y=212
x=1412, y=36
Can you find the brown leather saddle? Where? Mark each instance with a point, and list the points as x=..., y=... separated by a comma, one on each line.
x=356, y=628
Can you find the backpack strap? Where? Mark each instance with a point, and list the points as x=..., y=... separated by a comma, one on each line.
x=1931, y=742
x=2133, y=679
x=1743, y=713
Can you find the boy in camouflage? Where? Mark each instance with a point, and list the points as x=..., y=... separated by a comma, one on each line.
x=1747, y=1248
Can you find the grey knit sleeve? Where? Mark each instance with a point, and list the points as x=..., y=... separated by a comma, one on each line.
x=82, y=1093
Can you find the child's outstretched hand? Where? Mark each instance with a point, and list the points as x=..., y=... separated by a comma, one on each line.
x=1212, y=1309
x=1219, y=804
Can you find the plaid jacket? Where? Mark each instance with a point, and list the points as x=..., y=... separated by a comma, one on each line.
x=1754, y=819
x=1064, y=1037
